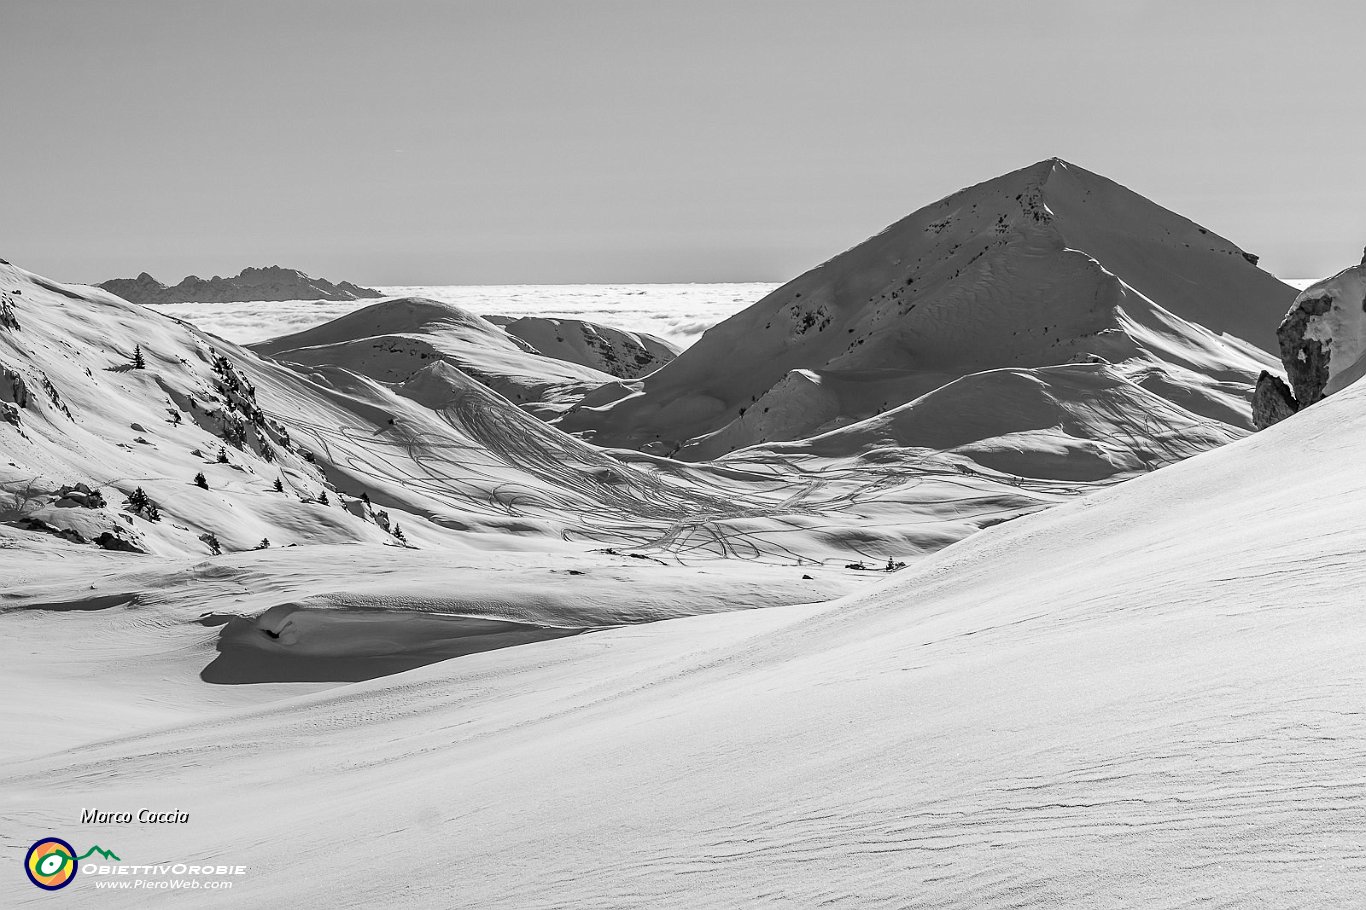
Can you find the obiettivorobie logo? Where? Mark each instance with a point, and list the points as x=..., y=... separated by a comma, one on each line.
x=51, y=863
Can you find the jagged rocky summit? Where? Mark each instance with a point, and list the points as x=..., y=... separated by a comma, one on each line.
x=269, y=283
x=1323, y=346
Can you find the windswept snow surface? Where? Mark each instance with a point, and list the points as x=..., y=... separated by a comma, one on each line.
x=1149, y=697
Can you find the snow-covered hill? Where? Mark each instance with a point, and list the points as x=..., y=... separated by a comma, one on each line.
x=1150, y=696
x=394, y=339
x=1041, y=267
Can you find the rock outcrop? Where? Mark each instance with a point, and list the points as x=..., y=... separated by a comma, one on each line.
x=1323, y=346
x=1323, y=337
x=270, y=283
x=1272, y=401
x=1304, y=354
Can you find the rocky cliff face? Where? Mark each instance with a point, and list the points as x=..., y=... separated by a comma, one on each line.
x=269, y=283
x=1323, y=346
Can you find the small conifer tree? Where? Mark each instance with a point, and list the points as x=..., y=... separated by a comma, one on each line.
x=201, y=481
x=215, y=547
x=279, y=485
x=139, y=362
x=141, y=504
x=264, y=544
x=398, y=533
x=222, y=455
x=322, y=498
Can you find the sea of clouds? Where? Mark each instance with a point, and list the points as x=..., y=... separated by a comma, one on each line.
x=679, y=313
x=676, y=312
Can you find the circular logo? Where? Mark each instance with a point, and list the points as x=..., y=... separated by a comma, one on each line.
x=51, y=863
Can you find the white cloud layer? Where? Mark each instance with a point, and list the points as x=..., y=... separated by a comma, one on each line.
x=677, y=312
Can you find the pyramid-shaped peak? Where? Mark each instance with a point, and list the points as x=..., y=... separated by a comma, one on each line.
x=1048, y=174
x=1032, y=268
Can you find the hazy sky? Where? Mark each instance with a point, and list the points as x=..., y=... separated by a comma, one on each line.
x=411, y=142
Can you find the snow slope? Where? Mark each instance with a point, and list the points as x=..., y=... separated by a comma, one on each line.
x=1150, y=697
x=83, y=414
x=1044, y=266
x=625, y=355
x=1073, y=422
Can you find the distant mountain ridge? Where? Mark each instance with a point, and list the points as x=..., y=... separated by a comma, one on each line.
x=269, y=283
